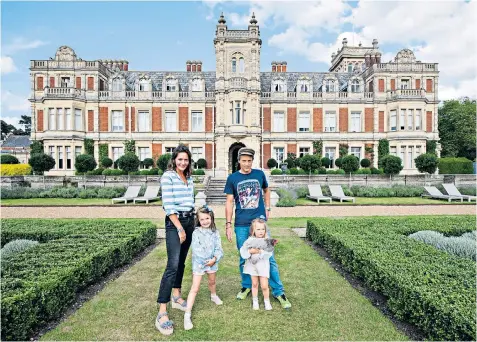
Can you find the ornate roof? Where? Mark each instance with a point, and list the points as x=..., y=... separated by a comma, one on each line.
x=183, y=77
x=292, y=78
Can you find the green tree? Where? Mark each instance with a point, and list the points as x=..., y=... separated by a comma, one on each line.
x=89, y=146
x=365, y=162
x=130, y=146
x=391, y=165
x=427, y=162
x=325, y=162
x=202, y=163
x=163, y=160
x=271, y=163
x=383, y=150
x=310, y=162
x=41, y=162
x=6, y=128
x=85, y=163
x=350, y=163
x=36, y=146
x=128, y=162
x=148, y=162
x=106, y=162
x=457, y=121
x=8, y=159
x=26, y=122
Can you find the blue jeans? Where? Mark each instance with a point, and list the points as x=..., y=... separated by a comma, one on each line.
x=241, y=234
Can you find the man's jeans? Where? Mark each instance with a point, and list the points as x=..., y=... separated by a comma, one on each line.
x=242, y=234
x=176, y=257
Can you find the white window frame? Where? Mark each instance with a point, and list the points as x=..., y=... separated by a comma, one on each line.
x=355, y=86
x=279, y=154
x=330, y=153
x=196, y=85
x=237, y=119
x=355, y=151
x=60, y=119
x=234, y=64
x=278, y=86
x=143, y=121
x=405, y=83
x=303, y=151
x=393, y=120
x=51, y=119
x=330, y=121
x=329, y=86
x=241, y=65
x=171, y=85
x=304, y=121
x=117, y=121
x=143, y=85
x=410, y=119
x=170, y=124
x=68, y=157
x=279, y=121
x=355, y=121
x=169, y=150
x=68, y=119
x=52, y=152
x=393, y=150
x=197, y=119
x=350, y=67
x=78, y=150
x=143, y=152
x=117, y=84
x=117, y=152
x=78, y=119
x=402, y=119
x=197, y=153
x=61, y=159
x=418, y=120
x=410, y=156
x=402, y=154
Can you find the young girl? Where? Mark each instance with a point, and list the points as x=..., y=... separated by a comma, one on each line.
x=206, y=253
x=257, y=250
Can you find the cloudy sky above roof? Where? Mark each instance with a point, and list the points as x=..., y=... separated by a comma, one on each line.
x=162, y=36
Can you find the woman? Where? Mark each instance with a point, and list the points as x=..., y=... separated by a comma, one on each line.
x=178, y=202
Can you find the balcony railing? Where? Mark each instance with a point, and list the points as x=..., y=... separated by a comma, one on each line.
x=406, y=94
x=316, y=95
x=156, y=95
x=63, y=92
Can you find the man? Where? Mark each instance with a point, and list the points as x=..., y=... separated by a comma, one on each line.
x=245, y=187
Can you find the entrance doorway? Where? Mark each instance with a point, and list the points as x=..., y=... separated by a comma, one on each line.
x=233, y=156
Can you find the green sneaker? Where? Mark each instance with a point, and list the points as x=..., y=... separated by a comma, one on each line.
x=284, y=301
x=243, y=293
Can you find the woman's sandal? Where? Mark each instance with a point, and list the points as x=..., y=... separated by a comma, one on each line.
x=166, y=327
x=176, y=305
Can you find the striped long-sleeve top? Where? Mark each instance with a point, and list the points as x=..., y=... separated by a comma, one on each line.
x=176, y=195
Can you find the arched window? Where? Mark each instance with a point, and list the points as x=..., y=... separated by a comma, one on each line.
x=117, y=84
x=234, y=64
x=241, y=65
x=355, y=86
x=329, y=86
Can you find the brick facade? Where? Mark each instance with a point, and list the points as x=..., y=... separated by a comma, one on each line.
x=291, y=148
x=317, y=119
x=291, y=119
x=39, y=83
x=183, y=119
x=267, y=119
x=208, y=155
x=156, y=119
x=133, y=119
x=429, y=85
x=381, y=121
x=103, y=119
x=393, y=84
x=90, y=120
x=209, y=119
x=428, y=121
x=78, y=83
x=52, y=82
x=156, y=151
x=418, y=84
x=39, y=120
x=381, y=85
x=343, y=120
x=90, y=83
x=369, y=119
x=126, y=119
x=267, y=154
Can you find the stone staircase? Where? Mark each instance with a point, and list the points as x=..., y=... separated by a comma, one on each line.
x=215, y=191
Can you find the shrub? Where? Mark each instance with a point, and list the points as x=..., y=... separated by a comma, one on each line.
x=41, y=162
x=163, y=160
x=330, y=172
x=325, y=162
x=290, y=162
x=427, y=162
x=301, y=192
x=16, y=246
x=8, y=159
x=375, y=171
x=287, y=198
x=113, y=172
x=383, y=150
x=322, y=171
x=276, y=172
x=431, y=146
x=292, y=171
x=338, y=162
x=36, y=147
x=271, y=163
x=110, y=192
x=95, y=172
x=340, y=172
x=363, y=172
x=128, y=162
x=468, y=190
x=85, y=162
x=89, y=146
x=392, y=165
x=15, y=170
x=106, y=162
x=198, y=172
x=455, y=166
x=310, y=162
x=350, y=163
x=462, y=246
x=88, y=193
x=103, y=151
x=202, y=163
x=365, y=162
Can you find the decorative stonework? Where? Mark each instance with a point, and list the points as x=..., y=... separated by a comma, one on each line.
x=65, y=53
x=405, y=56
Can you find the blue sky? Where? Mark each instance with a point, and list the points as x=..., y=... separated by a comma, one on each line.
x=163, y=35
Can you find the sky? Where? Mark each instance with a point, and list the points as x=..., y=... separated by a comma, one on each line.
x=162, y=35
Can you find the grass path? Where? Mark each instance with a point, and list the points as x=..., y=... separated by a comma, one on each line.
x=325, y=306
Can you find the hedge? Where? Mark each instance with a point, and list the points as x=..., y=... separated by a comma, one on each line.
x=425, y=286
x=455, y=166
x=15, y=170
x=40, y=283
x=62, y=192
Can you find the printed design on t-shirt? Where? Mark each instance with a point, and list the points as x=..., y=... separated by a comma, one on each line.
x=248, y=194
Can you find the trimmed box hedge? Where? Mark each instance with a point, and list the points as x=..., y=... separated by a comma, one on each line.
x=425, y=286
x=40, y=283
x=455, y=166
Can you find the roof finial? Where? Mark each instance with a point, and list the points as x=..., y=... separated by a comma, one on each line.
x=222, y=19
x=253, y=21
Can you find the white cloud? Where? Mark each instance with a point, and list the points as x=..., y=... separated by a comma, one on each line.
x=12, y=120
x=12, y=102
x=20, y=43
x=7, y=65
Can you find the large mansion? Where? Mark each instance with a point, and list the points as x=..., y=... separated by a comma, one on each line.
x=358, y=101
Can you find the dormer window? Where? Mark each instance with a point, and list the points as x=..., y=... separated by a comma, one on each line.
x=278, y=86
x=303, y=86
x=171, y=85
x=329, y=86
x=117, y=84
x=196, y=85
x=355, y=86
x=143, y=85
x=234, y=64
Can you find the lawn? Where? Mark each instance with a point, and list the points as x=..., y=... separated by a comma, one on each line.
x=325, y=306
x=66, y=201
x=382, y=201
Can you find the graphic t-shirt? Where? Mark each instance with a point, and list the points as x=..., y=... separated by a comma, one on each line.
x=247, y=191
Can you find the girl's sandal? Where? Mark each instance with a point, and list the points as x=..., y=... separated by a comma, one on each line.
x=167, y=327
x=176, y=305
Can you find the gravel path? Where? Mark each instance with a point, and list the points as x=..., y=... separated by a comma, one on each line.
x=156, y=212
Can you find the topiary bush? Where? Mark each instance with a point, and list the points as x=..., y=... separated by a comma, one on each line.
x=106, y=162
x=392, y=165
x=202, y=163
x=325, y=162
x=128, y=162
x=15, y=247
x=148, y=162
x=338, y=162
x=350, y=163
x=85, y=163
x=162, y=161
x=427, y=162
x=41, y=162
x=8, y=159
x=198, y=172
x=271, y=163
x=310, y=162
x=365, y=162
x=276, y=172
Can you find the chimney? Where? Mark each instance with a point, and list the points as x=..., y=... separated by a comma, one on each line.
x=199, y=66
x=375, y=43
x=367, y=59
x=279, y=67
x=188, y=66
x=284, y=66
x=274, y=66
x=345, y=42
x=378, y=57
x=194, y=66
x=125, y=65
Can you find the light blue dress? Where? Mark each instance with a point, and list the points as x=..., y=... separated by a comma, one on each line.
x=205, y=245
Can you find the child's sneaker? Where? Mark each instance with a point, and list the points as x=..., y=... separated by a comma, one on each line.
x=188, y=321
x=243, y=293
x=216, y=300
x=255, y=304
x=268, y=306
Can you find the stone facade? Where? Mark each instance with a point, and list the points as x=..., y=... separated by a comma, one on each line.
x=357, y=102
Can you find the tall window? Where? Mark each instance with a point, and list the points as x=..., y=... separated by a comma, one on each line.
x=171, y=121
x=410, y=117
x=402, y=155
x=330, y=154
x=304, y=151
x=303, y=87
x=68, y=157
x=304, y=121
x=237, y=113
x=278, y=86
x=356, y=151
x=279, y=121
x=117, y=152
x=279, y=155
x=241, y=65
x=355, y=121
x=329, y=86
x=51, y=151
x=117, y=84
x=418, y=151
x=78, y=150
x=409, y=157
x=171, y=85
x=404, y=84
x=51, y=119
x=65, y=82
x=402, y=119
x=393, y=120
x=196, y=86
x=68, y=118
x=418, y=119
x=143, y=121
x=196, y=154
x=393, y=151
x=330, y=121
x=234, y=64
x=143, y=85
x=355, y=86
x=59, y=119
x=350, y=67
x=144, y=152
x=60, y=157
x=78, y=120
x=169, y=149
x=197, y=121
x=118, y=121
